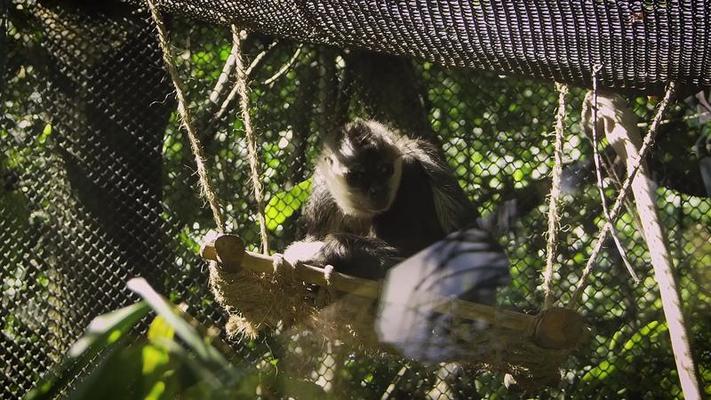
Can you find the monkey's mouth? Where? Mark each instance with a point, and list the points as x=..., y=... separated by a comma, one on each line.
x=379, y=210
x=367, y=210
x=367, y=206
x=371, y=210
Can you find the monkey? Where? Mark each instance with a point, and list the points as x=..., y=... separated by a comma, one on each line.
x=377, y=198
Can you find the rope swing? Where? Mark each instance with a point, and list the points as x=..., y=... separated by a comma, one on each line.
x=254, y=164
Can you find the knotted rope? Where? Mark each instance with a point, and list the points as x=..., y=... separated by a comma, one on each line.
x=553, y=217
x=206, y=189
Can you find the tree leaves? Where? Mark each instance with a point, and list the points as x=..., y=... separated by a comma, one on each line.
x=283, y=204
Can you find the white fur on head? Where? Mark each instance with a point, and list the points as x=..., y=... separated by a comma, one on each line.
x=378, y=130
x=349, y=201
x=334, y=172
x=335, y=176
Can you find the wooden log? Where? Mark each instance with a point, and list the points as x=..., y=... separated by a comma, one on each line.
x=229, y=251
x=552, y=329
x=560, y=328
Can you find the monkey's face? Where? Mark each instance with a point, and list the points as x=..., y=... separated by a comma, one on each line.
x=363, y=173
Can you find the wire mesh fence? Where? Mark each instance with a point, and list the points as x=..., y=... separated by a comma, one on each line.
x=97, y=185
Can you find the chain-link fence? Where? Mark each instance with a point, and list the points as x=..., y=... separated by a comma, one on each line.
x=97, y=185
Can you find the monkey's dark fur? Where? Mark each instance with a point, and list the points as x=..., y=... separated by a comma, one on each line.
x=377, y=197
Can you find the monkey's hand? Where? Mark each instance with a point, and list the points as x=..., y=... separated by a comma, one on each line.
x=360, y=256
x=299, y=252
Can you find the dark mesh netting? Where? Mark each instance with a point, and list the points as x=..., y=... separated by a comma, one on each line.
x=639, y=43
x=98, y=185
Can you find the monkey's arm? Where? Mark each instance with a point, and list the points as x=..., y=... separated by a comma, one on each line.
x=364, y=257
x=313, y=224
x=327, y=243
x=304, y=251
x=360, y=256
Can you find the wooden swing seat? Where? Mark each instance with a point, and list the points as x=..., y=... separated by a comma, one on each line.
x=257, y=298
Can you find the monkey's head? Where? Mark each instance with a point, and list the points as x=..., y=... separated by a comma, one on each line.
x=362, y=166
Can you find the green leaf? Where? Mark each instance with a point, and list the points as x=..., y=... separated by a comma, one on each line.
x=650, y=330
x=183, y=329
x=108, y=328
x=117, y=376
x=46, y=132
x=283, y=204
x=159, y=328
x=187, y=241
x=706, y=377
x=155, y=356
x=602, y=371
x=153, y=359
x=156, y=391
x=608, y=367
x=102, y=334
x=616, y=338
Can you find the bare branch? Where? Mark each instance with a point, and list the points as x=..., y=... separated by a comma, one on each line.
x=233, y=93
x=284, y=68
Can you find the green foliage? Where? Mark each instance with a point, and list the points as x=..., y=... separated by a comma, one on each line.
x=102, y=335
x=626, y=352
x=158, y=366
x=175, y=359
x=283, y=204
x=184, y=330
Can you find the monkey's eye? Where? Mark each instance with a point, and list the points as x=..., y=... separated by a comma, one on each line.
x=355, y=177
x=386, y=169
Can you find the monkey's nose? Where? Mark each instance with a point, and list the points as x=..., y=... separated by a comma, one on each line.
x=377, y=193
x=378, y=196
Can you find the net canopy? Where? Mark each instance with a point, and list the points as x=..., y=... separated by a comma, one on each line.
x=640, y=44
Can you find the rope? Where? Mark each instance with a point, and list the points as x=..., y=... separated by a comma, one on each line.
x=553, y=217
x=242, y=91
x=206, y=189
x=617, y=207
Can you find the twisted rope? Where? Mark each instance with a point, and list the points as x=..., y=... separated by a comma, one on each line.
x=617, y=207
x=553, y=217
x=255, y=173
x=206, y=190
